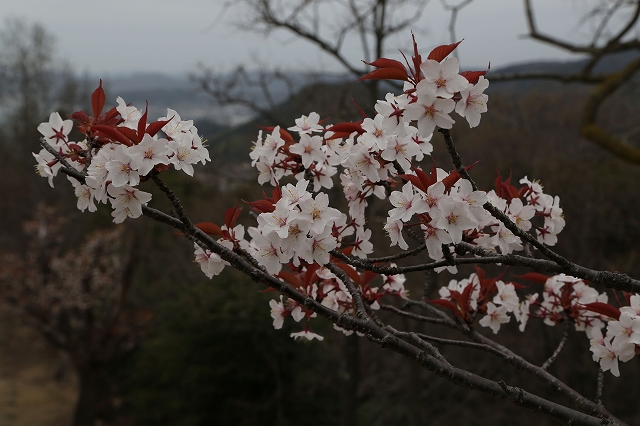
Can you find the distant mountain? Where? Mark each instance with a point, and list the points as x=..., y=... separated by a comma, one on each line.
x=230, y=128
x=610, y=63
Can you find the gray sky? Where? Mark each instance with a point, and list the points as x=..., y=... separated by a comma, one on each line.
x=121, y=36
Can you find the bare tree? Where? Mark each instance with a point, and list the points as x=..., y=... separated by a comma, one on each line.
x=328, y=25
x=77, y=300
x=614, y=31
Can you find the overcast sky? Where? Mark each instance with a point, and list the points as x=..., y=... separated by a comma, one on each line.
x=122, y=36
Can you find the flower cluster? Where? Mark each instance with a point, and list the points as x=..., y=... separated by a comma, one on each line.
x=563, y=298
x=326, y=287
x=120, y=150
x=622, y=340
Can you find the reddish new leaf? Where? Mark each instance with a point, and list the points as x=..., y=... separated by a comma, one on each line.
x=97, y=100
x=261, y=206
x=231, y=215
x=209, y=228
x=415, y=180
x=310, y=276
x=535, y=277
x=603, y=309
x=473, y=76
x=416, y=59
x=441, y=52
x=111, y=133
x=447, y=304
x=156, y=127
x=142, y=125
x=386, y=74
x=368, y=276
x=111, y=115
x=350, y=271
x=129, y=133
x=454, y=177
x=387, y=63
x=347, y=127
x=80, y=116
x=290, y=278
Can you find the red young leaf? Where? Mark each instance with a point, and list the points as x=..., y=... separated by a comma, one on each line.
x=387, y=63
x=454, y=176
x=142, y=125
x=129, y=133
x=310, y=276
x=231, y=215
x=416, y=59
x=368, y=276
x=351, y=272
x=156, y=127
x=441, y=52
x=290, y=278
x=111, y=133
x=261, y=206
x=347, y=250
x=473, y=76
x=209, y=228
x=447, y=304
x=535, y=277
x=415, y=180
x=111, y=114
x=347, y=127
x=360, y=110
x=276, y=194
x=603, y=309
x=386, y=74
x=97, y=100
x=80, y=116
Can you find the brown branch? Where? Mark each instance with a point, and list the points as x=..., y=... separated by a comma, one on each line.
x=592, y=131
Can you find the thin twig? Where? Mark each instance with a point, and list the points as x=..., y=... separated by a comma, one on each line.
x=552, y=358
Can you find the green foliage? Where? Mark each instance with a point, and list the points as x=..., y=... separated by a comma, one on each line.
x=214, y=358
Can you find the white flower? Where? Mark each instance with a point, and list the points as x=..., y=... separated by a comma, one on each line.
x=84, y=195
x=56, y=131
x=442, y=78
x=406, y=203
x=430, y=111
x=318, y=212
x=152, y=152
x=496, y=316
x=394, y=230
x=210, y=263
x=376, y=135
x=473, y=102
x=176, y=126
x=454, y=217
x=130, y=114
x=127, y=202
x=278, y=312
x=310, y=149
x=123, y=167
x=306, y=334
x=307, y=125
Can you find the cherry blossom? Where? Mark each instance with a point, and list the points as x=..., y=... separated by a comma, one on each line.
x=496, y=316
x=473, y=102
x=307, y=124
x=430, y=111
x=442, y=78
x=56, y=131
